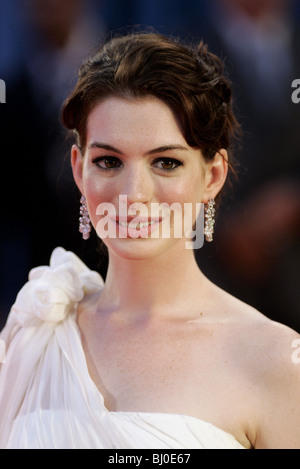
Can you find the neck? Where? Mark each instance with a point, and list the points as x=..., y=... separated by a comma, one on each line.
x=159, y=285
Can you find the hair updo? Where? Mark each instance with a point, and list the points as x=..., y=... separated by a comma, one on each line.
x=189, y=79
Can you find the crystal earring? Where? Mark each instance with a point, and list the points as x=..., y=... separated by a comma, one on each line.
x=84, y=219
x=209, y=210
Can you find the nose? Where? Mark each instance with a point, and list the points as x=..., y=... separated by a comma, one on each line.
x=137, y=184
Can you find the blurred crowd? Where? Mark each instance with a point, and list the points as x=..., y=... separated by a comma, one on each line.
x=256, y=252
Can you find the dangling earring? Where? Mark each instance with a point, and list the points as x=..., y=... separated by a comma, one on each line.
x=84, y=219
x=209, y=209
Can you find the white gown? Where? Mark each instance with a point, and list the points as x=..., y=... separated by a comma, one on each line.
x=47, y=397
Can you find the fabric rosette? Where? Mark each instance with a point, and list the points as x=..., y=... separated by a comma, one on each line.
x=52, y=291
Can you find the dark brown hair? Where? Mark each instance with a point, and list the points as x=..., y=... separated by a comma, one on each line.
x=189, y=79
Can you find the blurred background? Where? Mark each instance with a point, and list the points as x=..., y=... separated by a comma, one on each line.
x=256, y=252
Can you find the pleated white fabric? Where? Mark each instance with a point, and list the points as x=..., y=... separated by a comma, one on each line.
x=47, y=397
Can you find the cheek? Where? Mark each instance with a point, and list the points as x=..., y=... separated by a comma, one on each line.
x=97, y=192
x=185, y=197
x=188, y=190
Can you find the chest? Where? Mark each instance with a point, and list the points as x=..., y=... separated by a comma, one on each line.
x=159, y=368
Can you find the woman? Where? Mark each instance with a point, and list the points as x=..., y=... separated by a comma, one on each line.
x=157, y=356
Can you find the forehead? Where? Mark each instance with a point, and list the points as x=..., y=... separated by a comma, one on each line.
x=139, y=119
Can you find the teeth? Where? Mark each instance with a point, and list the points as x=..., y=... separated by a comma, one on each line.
x=137, y=225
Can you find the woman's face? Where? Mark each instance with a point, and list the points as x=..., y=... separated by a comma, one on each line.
x=137, y=159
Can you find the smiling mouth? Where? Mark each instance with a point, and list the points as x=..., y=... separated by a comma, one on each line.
x=136, y=225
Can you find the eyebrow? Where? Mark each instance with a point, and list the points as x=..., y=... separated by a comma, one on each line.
x=162, y=149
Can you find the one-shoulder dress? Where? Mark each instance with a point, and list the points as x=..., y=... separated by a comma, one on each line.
x=47, y=397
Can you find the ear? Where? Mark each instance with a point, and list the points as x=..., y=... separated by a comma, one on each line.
x=216, y=173
x=77, y=166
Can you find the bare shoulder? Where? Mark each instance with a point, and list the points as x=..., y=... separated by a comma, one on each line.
x=271, y=356
x=252, y=322
x=279, y=388
x=275, y=344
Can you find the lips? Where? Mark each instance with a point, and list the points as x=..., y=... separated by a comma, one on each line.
x=136, y=227
x=136, y=222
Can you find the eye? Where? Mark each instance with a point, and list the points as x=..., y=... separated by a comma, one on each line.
x=107, y=163
x=167, y=164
